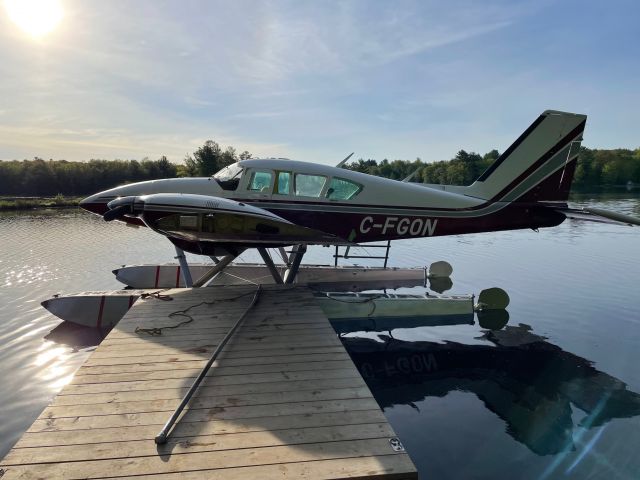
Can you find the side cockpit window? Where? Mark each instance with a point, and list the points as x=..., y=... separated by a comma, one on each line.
x=260, y=181
x=309, y=185
x=283, y=183
x=342, y=189
x=229, y=177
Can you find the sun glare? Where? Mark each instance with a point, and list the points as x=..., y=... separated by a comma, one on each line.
x=35, y=17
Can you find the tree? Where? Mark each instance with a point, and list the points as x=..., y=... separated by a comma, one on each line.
x=190, y=166
x=166, y=169
x=207, y=158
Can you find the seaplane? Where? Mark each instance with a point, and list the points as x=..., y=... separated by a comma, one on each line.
x=277, y=203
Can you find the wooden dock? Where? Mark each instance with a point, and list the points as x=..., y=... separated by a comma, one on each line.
x=283, y=401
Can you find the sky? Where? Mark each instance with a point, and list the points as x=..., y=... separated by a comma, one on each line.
x=312, y=80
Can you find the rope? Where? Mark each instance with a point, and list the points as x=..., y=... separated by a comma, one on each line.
x=158, y=295
x=242, y=278
x=155, y=331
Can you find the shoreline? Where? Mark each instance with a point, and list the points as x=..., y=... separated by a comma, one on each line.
x=30, y=203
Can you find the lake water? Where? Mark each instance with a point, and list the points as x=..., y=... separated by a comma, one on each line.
x=554, y=394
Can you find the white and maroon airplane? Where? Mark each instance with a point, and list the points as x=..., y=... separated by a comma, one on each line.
x=261, y=203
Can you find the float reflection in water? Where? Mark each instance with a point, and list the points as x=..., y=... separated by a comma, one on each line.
x=528, y=382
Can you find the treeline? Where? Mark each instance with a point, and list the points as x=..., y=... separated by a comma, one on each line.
x=38, y=177
x=46, y=178
x=596, y=168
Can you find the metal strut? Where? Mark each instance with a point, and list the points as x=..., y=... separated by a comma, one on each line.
x=297, y=253
x=270, y=265
x=217, y=268
x=161, y=438
x=184, y=267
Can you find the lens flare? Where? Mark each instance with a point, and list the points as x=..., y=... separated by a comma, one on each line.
x=35, y=17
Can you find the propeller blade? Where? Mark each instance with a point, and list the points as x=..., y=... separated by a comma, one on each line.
x=116, y=213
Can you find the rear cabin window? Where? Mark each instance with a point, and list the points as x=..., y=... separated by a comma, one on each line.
x=260, y=181
x=309, y=185
x=283, y=183
x=341, y=189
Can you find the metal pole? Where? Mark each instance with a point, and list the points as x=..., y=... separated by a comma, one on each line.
x=184, y=266
x=161, y=438
x=270, y=265
x=283, y=254
x=293, y=271
x=386, y=256
x=217, y=268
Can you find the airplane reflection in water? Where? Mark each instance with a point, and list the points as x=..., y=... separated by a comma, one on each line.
x=525, y=380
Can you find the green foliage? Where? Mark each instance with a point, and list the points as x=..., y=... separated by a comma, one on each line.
x=596, y=168
x=210, y=158
x=60, y=178
x=38, y=177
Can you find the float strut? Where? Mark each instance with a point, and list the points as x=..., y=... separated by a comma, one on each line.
x=270, y=265
x=297, y=254
x=184, y=266
x=283, y=254
x=217, y=268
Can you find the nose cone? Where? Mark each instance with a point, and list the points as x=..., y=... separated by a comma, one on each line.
x=95, y=204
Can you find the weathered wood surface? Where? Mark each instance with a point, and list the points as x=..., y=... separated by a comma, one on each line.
x=283, y=401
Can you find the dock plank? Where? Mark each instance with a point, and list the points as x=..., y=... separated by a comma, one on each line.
x=284, y=400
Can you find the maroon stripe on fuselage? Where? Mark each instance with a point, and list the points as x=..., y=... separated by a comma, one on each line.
x=511, y=217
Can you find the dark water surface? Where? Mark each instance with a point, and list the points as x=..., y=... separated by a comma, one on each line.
x=555, y=394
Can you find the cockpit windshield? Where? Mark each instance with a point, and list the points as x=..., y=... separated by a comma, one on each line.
x=229, y=177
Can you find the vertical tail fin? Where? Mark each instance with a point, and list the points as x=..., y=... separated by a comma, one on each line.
x=540, y=164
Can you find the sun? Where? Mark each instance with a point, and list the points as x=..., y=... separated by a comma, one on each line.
x=35, y=17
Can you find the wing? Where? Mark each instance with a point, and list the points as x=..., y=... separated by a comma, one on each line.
x=203, y=218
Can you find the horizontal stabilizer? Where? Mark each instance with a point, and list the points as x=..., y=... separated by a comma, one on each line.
x=599, y=215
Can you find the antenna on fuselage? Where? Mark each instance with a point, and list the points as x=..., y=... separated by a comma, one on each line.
x=345, y=160
x=411, y=175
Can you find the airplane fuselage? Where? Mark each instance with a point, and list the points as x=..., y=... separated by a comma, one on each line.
x=370, y=208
